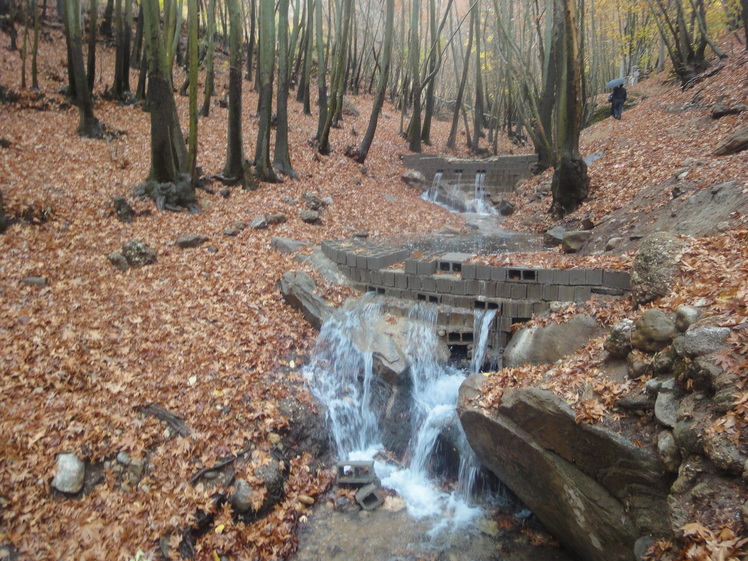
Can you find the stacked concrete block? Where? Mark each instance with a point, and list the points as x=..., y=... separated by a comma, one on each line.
x=460, y=287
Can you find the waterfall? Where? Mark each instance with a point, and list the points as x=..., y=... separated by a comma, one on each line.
x=340, y=375
x=479, y=204
x=432, y=194
x=482, y=320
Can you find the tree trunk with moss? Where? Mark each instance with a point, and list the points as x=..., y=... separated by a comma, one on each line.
x=209, y=59
x=570, y=184
x=169, y=183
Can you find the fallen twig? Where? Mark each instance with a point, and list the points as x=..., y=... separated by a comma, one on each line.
x=173, y=420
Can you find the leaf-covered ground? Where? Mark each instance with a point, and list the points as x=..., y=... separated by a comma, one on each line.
x=204, y=332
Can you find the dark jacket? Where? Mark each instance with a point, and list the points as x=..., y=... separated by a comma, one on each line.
x=618, y=94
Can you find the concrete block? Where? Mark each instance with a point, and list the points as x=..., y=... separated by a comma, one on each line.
x=483, y=272
x=524, y=309
x=616, y=279
x=535, y=292
x=388, y=278
x=582, y=293
x=414, y=283
x=594, y=277
x=411, y=266
x=550, y=292
x=464, y=302
x=375, y=277
x=561, y=276
x=458, y=287
x=522, y=275
x=498, y=274
x=428, y=284
x=355, y=473
x=350, y=259
x=444, y=284
x=369, y=496
x=539, y=307
x=503, y=290
x=566, y=293
x=473, y=287
x=445, y=299
x=518, y=291
x=577, y=276
x=401, y=281
x=505, y=324
x=426, y=267
x=545, y=276
x=361, y=261
x=469, y=271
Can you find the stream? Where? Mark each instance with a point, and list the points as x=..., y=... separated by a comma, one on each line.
x=426, y=514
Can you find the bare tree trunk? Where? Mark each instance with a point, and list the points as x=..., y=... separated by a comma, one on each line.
x=235, y=169
x=35, y=47
x=193, y=16
x=282, y=158
x=363, y=149
x=452, y=138
x=338, y=77
x=209, y=59
x=414, y=130
x=265, y=69
x=88, y=126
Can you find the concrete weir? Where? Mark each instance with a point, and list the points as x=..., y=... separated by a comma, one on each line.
x=461, y=288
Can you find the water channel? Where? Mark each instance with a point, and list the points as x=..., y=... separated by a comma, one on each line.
x=430, y=512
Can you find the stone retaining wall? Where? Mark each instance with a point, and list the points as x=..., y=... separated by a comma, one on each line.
x=460, y=288
x=502, y=172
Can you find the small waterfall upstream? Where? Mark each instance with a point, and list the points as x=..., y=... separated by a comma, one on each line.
x=340, y=375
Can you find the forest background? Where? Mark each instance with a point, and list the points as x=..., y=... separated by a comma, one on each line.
x=204, y=333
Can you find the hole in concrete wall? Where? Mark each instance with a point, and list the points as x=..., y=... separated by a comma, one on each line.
x=467, y=337
x=380, y=290
x=371, y=289
x=458, y=352
x=457, y=267
x=529, y=275
x=519, y=320
x=493, y=306
x=480, y=305
x=421, y=297
x=514, y=274
x=434, y=299
x=454, y=337
x=444, y=266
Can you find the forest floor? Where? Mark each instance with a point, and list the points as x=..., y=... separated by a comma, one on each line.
x=204, y=333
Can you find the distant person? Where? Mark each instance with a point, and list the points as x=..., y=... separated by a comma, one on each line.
x=617, y=99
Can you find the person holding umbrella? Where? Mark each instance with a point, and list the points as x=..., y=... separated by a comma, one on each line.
x=617, y=97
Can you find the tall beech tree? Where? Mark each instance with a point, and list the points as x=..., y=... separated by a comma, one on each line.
x=265, y=67
x=570, y=184
x=236, y=169
x=169, y=182
x=281, y=157
x=88, y=125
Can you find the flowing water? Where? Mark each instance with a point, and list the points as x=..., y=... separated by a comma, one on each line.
x=422, y=518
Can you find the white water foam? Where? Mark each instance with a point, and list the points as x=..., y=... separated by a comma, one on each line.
x=340, y=376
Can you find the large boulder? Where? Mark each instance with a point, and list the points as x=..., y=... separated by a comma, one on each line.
x=653, y=331
x=655, y=266
x=299, y=291
x=596, y=491
x=544, y=345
